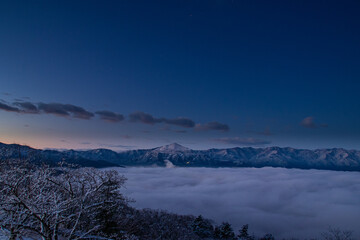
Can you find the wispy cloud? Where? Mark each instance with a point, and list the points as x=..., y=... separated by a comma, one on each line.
x=110, y=116
x=73, y=111
x=182, y=122
x=242, y=141
x=27, y=107
x=8, y=108
x=58, y=109
x=147, y=118
x=54, y=108
x=213, y=126
x=143, y=118
x=309, y=122
x=65, y=110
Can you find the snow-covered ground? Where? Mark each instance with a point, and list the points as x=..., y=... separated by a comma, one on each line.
x=285, y=202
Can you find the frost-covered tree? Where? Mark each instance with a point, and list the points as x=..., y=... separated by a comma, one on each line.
x=154, y=224
x=267, y=237
x=244, y=233
x=224, y=231
x=15, y=218
x=202, y=227
x=57, y=203
x=337, y=234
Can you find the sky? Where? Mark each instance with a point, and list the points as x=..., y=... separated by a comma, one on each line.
x=205, y=74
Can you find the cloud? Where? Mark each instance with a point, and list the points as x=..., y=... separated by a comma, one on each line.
x=65, y=110
x=70, y=110
x=143, y=118
x=110, y=116
x=213, y=126
x=27, y=107
x=182, y=122
x=54, y=108
x=8, y=108
x=309, y=122
x=243, y=141
x=78, y=112
x=285, y=202
x=149, y=119
x=58, y=109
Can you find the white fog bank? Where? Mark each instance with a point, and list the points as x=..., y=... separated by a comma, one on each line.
x=284, y=202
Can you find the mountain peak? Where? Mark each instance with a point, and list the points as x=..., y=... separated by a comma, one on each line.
x=174, y=147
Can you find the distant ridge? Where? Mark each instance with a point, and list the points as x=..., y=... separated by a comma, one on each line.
x=328, y=159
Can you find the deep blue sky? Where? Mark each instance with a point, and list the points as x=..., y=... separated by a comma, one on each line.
x=283, y=73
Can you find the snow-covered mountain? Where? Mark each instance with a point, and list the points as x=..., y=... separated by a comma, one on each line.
x=174, y=147
x=51, y=157
x=330, y=159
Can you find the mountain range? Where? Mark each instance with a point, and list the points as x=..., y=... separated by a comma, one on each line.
x=180, y=156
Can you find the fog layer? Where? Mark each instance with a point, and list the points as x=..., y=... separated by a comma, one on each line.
x=284, y=202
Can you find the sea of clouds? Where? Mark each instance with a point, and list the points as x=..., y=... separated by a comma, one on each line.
x=284, y=202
